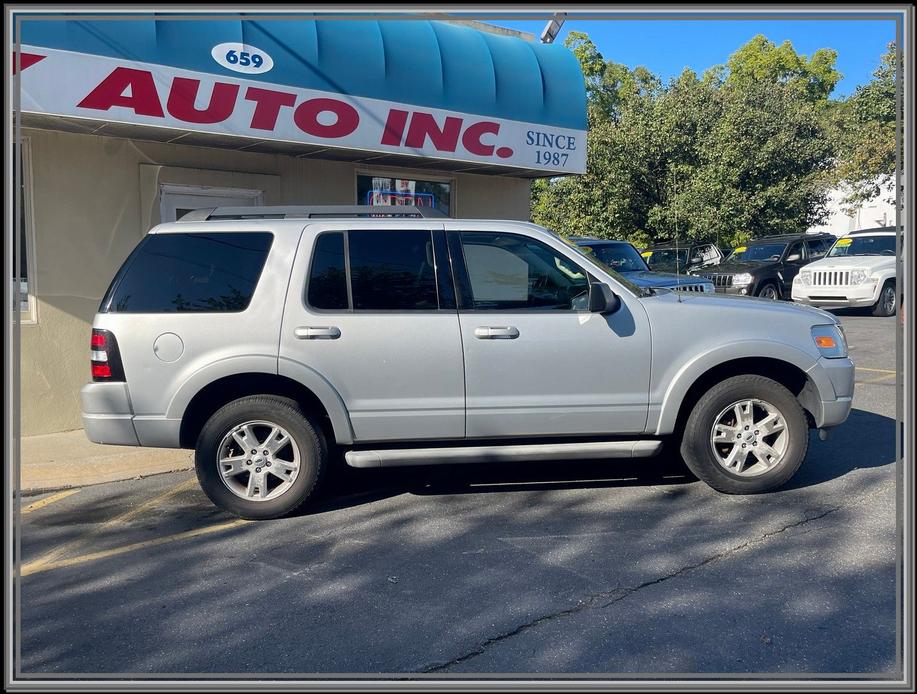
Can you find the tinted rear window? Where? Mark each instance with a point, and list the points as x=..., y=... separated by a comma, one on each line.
x=215, y=272
x=328, y=277
x=392, y=270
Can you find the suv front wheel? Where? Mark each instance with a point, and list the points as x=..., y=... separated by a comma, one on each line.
x=769, y=291
x=746, y=435
x=259, y=457
x=885, y=306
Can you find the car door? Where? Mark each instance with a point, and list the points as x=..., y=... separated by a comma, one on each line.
x=817, y=248
x=794, y=259
x=537, y=362
x=372, y=311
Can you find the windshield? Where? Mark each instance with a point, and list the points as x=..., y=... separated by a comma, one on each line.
x=863, y=245
x=758, y=253
x=587, y=252
x=666, y=256
x=619, y=256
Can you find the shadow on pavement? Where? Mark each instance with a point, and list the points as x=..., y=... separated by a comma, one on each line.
x=368, y=583
x=846, y=449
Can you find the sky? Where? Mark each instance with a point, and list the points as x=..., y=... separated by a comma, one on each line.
x=666, y=47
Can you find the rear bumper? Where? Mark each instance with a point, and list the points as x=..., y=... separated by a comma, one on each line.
x=113, y=430
x=109, y=418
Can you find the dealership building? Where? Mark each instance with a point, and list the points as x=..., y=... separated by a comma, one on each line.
x=131, y=122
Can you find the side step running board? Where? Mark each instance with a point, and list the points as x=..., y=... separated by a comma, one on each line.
x=502, y=454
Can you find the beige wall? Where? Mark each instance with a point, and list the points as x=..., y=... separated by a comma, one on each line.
x=93, y=199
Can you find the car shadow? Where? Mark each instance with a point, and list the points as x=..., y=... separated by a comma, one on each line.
x=865, y=440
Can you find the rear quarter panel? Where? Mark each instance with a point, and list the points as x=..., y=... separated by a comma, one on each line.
x=219, y=343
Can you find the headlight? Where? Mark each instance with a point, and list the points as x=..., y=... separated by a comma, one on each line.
x=858, y=276
x=805, y=277
x=741, y=279
x=830, y=341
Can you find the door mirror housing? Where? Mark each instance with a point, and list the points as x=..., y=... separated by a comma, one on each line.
x=793, y=257
x=602, y=299
x=697, y=259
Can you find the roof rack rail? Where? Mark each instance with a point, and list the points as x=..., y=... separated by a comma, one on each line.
x=310, y=212
x=873, y=230
x=794, y=235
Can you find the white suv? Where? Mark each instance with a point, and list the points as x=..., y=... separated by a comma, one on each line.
x=859, y=270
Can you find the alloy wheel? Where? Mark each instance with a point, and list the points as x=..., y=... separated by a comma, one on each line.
x=749, y=437
x=888, y=300
x=258, y=460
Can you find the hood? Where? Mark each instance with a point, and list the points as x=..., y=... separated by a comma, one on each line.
x=644, y=278
x=733, y=267
x=843, y=262
x=668, y=268
x=750, y=305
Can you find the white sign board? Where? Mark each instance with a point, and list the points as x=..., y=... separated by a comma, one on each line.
x=111, y=89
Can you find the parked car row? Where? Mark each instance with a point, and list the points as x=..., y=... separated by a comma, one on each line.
x=855, y=270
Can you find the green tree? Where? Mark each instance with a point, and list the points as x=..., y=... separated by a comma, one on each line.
x=865, y=127
x=740, y=152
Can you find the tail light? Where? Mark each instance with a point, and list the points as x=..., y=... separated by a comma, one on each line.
x=106, y=359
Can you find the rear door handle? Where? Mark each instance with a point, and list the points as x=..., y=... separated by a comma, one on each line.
x=491, y=332
x=305, y=332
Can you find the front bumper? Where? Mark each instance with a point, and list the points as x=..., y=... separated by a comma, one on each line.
x=831, y=403
x=849, y=295
x=746, y=290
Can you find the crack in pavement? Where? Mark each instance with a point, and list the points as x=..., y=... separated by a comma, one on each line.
x=608, y=598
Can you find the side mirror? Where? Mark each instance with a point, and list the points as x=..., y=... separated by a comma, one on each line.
x=602, y=299
x=793, y=257
x=697, y=259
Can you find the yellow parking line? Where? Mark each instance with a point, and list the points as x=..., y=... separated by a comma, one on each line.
x=57, y=553
x=880, y=371
x=35, y=567
x=880, y=379
x=41, y=503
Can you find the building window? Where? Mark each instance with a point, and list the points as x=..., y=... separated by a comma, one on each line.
x=23, y=252
x=388, y=190
x=178, y=200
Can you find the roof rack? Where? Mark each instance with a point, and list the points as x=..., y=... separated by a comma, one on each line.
x=310, y=212
x=874, y=230
x=796, y=235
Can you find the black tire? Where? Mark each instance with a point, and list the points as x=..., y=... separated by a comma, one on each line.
x=888, y=301
x=697, y=451
x=282, y=411
x=769, y=290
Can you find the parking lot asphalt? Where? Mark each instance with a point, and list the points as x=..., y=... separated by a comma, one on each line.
x=626, y=567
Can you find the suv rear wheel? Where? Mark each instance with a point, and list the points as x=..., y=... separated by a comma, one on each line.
x=746, y=435
x=259, y=457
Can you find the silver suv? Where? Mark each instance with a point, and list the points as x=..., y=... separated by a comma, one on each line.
x=266, y=338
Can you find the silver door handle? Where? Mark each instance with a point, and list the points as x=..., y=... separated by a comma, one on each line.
x=490, y=332
x=314, y=333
